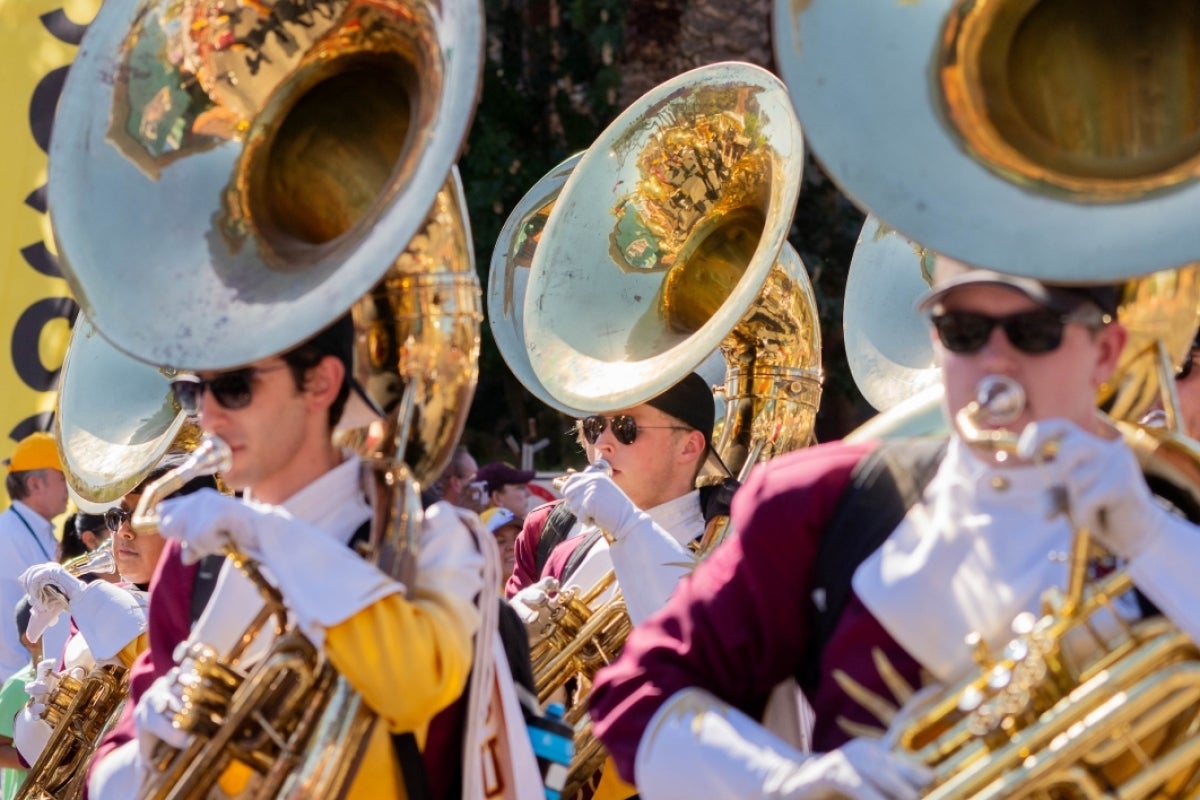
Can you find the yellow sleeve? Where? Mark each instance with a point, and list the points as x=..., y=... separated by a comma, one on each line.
x=409, y=658
x=132, y=650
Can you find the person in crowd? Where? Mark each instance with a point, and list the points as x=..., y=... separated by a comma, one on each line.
x=505, y=486
x=109, y=620
x=38, y=490
x=505, y=526
x=455, y=483
x=842, y=552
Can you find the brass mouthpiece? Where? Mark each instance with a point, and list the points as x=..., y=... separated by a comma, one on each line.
x=599, y=465
x=101, y=561
x=210, y=456
x=999, y=400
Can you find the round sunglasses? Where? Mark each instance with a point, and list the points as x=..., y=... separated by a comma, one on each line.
x=1031, y=332
x=232, y=390
x=624, y=428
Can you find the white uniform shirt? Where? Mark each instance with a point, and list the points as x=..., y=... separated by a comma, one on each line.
x=334, y=503
x=990, y=539
x=649, y=560
x=26, y=539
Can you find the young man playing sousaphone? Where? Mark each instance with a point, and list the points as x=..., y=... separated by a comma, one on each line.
x=406, y=650
x=638, y=521
x=861, y=568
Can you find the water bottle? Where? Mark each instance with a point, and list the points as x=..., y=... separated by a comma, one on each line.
x=554, y=745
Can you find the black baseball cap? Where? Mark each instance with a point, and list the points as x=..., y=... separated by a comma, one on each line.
x=338, y=340
x=691, y=402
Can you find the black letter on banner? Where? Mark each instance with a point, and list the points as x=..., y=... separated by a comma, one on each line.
x=62, y=28
x=38, y=422
x=43, y=104
x=26, y=359
x=40, y=258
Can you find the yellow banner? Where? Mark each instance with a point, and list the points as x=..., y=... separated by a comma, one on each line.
x=38, y=39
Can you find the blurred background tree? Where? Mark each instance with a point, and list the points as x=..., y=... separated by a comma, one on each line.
x=557, y=72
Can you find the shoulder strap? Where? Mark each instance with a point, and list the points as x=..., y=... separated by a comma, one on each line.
x=715, y=499
x=883, y=486
x=580, y=553
x=554, y=532
x=202, y=588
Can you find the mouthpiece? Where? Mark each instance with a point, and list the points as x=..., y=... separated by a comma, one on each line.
x=212, y=455
x=1000, y=400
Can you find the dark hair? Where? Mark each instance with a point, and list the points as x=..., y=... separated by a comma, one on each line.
x=72, y=540
x=90, y=523
x=17, y=483
x=166, y=465
x=303, y=358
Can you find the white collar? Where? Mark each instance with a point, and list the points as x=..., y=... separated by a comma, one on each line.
x=34, y=519
x=330, y=501
x=981, y=545
x=680, y=517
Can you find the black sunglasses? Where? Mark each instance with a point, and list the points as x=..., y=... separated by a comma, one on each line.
x=232, y=390
x=115, y=517
x=1031, y=332
x=624, y=427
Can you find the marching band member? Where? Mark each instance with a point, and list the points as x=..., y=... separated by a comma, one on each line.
x=638, y=521
x=801, y=591
x=109, y=619
x=302, y=505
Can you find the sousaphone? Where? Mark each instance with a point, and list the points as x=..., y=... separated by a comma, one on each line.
x=251, y=168
x=115, y=418
x=508, y=279
x=890, y=352
x=1057, y=139
x=667, y=240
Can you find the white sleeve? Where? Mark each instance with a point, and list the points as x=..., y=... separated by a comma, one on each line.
x=119, y=775
x=728, y=755
x=30, y=734
x=108, y=618
x=649, y=563
x=323, y=581
x=1165, y=571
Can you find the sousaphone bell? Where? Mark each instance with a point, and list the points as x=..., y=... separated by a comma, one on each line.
x=668, y=239
x=253, y=167
x=1057, y=139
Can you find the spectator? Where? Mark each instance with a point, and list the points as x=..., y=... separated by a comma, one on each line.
x=505, y=486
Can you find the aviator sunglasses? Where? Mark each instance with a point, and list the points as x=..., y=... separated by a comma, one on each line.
x=1031, y=332
x=115, y=517
x=624, y=428
x=232, y=390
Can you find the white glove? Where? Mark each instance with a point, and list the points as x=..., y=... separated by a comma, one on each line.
x=1105, y=489
x=154, y=716
x=730, y=755
x=51, y=590
x=207, y=521
x=861, y=769
x=534, y=606
x=45, y=681
x=594, y=498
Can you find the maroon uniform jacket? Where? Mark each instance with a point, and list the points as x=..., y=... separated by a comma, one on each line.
x=743, y=621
